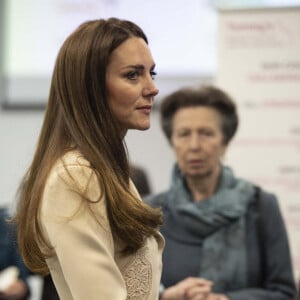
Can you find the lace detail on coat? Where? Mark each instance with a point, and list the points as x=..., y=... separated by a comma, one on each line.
x=138, y=275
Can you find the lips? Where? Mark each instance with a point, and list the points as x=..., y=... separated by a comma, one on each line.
x=145, y=109
x=195, y=163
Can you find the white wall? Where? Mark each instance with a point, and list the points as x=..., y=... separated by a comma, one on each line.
x=18, y=134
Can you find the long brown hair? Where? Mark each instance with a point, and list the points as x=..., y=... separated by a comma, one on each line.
x=78, y=116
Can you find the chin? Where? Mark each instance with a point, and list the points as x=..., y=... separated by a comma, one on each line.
x=199, y=173
x=142, y=127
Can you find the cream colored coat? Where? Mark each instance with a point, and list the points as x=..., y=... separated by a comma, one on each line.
x=87, y=264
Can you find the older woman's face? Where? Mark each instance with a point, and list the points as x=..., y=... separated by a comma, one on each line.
x=130, y=86
x=197, y=140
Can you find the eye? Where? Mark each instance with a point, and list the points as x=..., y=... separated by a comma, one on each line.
x=182, y=133
x=153, y=74
x=207, y=132
x=133, y=75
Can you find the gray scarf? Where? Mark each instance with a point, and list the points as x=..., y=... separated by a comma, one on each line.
x=219, y=223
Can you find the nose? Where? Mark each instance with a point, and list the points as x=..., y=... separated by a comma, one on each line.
x=150, y=88
x=194, y=142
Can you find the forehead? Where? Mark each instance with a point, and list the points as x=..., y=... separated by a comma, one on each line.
x=196, y=116
x=133, y=51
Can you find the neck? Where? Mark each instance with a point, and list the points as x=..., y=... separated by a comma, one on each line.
x=204, y=186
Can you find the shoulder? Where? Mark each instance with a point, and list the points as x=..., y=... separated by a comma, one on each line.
x=72, y=195
x=267, y=201
x=266, y=195
x=74, y=171
x=70, y=181
x=72, y=163
x=269, y=212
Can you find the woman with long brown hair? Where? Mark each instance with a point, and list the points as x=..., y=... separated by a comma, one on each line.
x=79, y=215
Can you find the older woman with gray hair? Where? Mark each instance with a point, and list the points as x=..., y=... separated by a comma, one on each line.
x=225, y=237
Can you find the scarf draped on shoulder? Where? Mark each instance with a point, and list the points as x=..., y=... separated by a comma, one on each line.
x=218, y=223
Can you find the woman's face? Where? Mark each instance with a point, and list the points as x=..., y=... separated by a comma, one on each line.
x=129, y=84
x=197, y=140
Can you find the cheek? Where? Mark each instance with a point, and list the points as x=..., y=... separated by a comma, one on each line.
x=113, y=93
x=122, y=97
x=218, y=151
x=179, y=153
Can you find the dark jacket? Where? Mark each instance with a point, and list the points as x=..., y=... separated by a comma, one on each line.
x=9, y=254
x=270, y=275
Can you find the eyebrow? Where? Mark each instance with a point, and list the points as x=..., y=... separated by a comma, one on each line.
x=138, y=67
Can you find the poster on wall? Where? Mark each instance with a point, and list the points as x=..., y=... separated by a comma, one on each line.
x=259, y=65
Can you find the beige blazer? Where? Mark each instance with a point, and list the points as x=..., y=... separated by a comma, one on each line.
x=87, y=264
